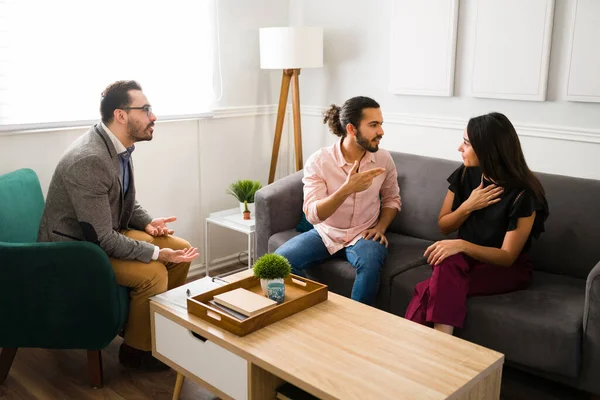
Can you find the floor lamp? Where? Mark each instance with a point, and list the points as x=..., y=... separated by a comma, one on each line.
x=290, y=49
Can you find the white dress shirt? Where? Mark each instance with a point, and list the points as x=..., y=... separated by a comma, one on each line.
x=120, y=148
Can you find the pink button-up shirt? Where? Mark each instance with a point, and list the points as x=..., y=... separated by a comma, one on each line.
x=325, y=171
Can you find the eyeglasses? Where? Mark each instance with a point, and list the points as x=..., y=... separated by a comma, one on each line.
x=147, y=109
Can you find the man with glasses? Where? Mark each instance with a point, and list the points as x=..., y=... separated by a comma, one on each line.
x=92, y=197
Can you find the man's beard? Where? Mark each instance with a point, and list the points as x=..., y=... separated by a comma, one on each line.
x=138, y=134
x=365, y=143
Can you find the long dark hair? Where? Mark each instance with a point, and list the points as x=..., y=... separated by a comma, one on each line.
x=497, y=146
x=337, y=118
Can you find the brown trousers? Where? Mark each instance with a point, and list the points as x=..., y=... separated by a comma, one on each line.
x=146, y=280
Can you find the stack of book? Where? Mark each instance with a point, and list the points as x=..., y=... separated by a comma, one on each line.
x=242, y=303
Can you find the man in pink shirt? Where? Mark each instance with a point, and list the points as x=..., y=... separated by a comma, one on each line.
x=351, y=196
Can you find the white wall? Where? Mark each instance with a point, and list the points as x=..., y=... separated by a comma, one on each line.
x=186, y=168
x=244, y=83
x=558, y=136
x=236, y=144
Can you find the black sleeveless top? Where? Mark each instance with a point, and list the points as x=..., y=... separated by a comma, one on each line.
x=488, y=226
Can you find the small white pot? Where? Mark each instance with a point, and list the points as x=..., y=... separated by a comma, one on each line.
x=251, y=208
x=273, y=289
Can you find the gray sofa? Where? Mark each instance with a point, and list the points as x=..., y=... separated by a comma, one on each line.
x=551, y=329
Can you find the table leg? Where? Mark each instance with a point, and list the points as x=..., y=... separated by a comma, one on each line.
x=206, y=248
x=253, y=246
x=262, y=384
x=178, y=386
x=250, y=250
x=486, y=388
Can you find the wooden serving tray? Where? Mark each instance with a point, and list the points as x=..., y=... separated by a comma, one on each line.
x=300, y=294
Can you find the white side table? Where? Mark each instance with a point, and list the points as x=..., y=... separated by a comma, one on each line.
x=231, y=219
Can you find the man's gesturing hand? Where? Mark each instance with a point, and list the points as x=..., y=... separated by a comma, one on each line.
x=158, y=227
x=359, y=181
x=178, y=256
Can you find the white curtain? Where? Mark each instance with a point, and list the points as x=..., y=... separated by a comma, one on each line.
x=57, y=56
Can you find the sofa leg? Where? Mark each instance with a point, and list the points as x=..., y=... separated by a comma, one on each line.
x=6, y=358
x=95, y=367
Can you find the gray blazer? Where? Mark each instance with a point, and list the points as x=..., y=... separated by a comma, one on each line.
x=86, y=202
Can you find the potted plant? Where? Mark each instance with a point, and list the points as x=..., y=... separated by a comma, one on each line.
x=244, y=190
x=272, y=269
x=246, y=211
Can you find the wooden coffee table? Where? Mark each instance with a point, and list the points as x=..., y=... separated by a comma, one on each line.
x=338, y=349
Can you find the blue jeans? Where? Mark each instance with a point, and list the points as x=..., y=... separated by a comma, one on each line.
x=366, y=256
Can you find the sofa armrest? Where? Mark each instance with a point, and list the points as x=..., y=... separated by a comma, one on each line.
x=278, y=208
x=58, y=295
x=590, y=363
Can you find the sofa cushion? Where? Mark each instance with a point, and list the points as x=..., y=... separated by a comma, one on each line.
x=404, y=252
x=573, y=222
x=539, y=327
x=280, y=238
x=423, y=187
x=304, y=225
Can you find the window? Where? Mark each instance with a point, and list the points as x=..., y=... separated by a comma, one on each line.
x=56, y=57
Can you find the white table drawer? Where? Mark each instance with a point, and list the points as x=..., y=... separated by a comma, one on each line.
x=208, y=361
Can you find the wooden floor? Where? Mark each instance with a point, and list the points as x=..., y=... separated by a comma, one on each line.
x=62, y=374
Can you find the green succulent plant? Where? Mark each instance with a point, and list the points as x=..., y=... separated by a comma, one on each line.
x=272, y=266
x=244, y=190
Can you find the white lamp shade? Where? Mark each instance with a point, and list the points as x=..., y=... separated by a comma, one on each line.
x=291, y=47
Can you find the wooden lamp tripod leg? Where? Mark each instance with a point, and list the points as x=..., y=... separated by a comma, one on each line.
x=296, y=112
x=283, y=95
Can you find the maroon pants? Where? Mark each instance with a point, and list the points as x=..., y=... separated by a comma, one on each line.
x=442, y=298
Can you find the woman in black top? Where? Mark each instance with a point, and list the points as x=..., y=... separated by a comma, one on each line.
x=498, y=206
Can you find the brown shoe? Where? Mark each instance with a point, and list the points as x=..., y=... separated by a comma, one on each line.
x=131, y=357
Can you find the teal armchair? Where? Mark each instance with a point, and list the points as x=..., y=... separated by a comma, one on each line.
x=59, y=295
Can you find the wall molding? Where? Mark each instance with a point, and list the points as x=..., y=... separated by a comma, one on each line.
x=574, y=93
x=46, y=127
x=244, y=111
x=494, y=74
x=572, y=134
x=222, y=112
x=568, y=133
x=423, y=54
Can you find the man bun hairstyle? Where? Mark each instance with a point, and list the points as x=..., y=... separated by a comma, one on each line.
x=331, y=117
x=337, y=118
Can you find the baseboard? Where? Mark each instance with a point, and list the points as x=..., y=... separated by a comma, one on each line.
x=198, y=270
